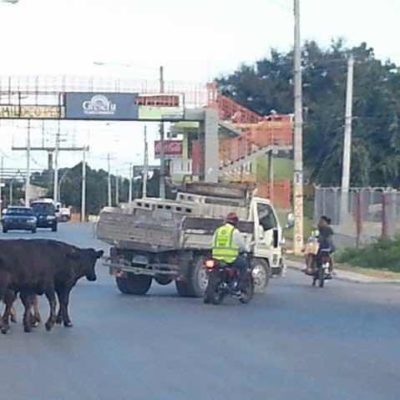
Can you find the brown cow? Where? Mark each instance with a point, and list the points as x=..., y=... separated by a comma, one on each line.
x=36, y=267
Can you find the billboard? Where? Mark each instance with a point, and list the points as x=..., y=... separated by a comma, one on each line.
x=172, y=148
x=102, y=106
x=30, y=112
x=161, y=107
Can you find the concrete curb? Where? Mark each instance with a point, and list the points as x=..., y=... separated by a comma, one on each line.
x=347, y=276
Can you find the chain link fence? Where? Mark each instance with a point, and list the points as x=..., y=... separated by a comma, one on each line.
x=361, y=216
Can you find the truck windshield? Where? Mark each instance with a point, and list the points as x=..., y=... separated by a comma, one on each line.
x=43, y=208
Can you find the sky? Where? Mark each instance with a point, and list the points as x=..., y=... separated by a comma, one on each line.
x=194, y=40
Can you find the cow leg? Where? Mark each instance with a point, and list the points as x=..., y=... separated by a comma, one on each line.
x=27, y=300
x=4, y=283
x=13, y=314
x=59, y=318
x=63, y=298
x=51, y=297
x=9, y=299
x=36, y=318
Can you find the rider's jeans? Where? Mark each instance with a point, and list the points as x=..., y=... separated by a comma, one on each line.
x=241, y=264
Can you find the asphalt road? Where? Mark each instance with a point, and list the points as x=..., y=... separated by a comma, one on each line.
x=297, y=342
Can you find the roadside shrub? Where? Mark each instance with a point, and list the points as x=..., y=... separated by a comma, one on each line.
x=383, y=254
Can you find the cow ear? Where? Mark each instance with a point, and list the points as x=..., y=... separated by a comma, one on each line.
x=99, y=253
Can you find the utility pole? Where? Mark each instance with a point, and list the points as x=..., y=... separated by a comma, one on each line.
x=11, y=191
x=347, y=141
x=56, y=152
x=28, y=165
x=109, y=179
x=117, y=189
x=271, y=174
x=145, y=164
x=298, y=136
x=83, y=204
x=130, y=183
x=162, y=150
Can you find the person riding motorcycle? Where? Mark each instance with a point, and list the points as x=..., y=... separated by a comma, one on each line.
x=322, y=239
x=325, y=237
x=229, y=246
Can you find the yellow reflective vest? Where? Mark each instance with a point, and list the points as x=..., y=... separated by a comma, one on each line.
x=223, y=247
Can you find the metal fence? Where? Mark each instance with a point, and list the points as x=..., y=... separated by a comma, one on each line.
x=368, y=213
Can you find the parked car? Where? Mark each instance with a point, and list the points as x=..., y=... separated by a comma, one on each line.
x=45, y=213
x=19, y=218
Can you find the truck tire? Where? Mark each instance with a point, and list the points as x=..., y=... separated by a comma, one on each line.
x=198, y=278
x=261, y=273
x=134, y=284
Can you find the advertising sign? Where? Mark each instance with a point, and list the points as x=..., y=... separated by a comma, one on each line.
x=102, y=106
x=172, y=148
x=160, y=113
x=29, y=112
x=161, y=107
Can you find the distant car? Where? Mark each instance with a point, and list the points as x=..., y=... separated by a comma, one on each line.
x=45, y=213
x=65, y=214
x=19, y=218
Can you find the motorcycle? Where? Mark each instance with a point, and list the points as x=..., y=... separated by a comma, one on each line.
x=324, y=262
x=318, y=261
x=223, y=280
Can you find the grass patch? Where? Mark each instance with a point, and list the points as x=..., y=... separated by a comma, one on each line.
x=383, y=255
x=283, y=168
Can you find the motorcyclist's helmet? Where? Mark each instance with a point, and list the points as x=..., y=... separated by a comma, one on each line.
x=232, y=219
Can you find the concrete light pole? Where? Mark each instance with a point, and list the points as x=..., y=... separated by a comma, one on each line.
x=83, y=201
x=347, y=142
x=28, y=164
x=298, y=137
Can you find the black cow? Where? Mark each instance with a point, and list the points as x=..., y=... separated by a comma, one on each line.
x=37, y=267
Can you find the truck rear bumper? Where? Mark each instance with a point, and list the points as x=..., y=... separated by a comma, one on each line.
x=121, y=267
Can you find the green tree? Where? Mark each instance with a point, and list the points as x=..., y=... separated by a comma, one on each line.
x=268, y=85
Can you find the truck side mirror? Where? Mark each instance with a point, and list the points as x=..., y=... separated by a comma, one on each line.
x=290, y=221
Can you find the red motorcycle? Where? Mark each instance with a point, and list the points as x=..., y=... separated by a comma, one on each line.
x=223, y=280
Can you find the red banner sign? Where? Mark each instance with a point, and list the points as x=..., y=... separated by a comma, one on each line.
x=172, y=148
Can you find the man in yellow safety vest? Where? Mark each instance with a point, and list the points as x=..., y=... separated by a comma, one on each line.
x=228, y=244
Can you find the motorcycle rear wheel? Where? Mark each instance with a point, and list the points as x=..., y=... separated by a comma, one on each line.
x=321, y=277
x=248, y=292
x=212, y=293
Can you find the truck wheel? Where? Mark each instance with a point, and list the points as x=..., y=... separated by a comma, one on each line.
x=261, y=273
x=134, y=284
x=198, y=279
